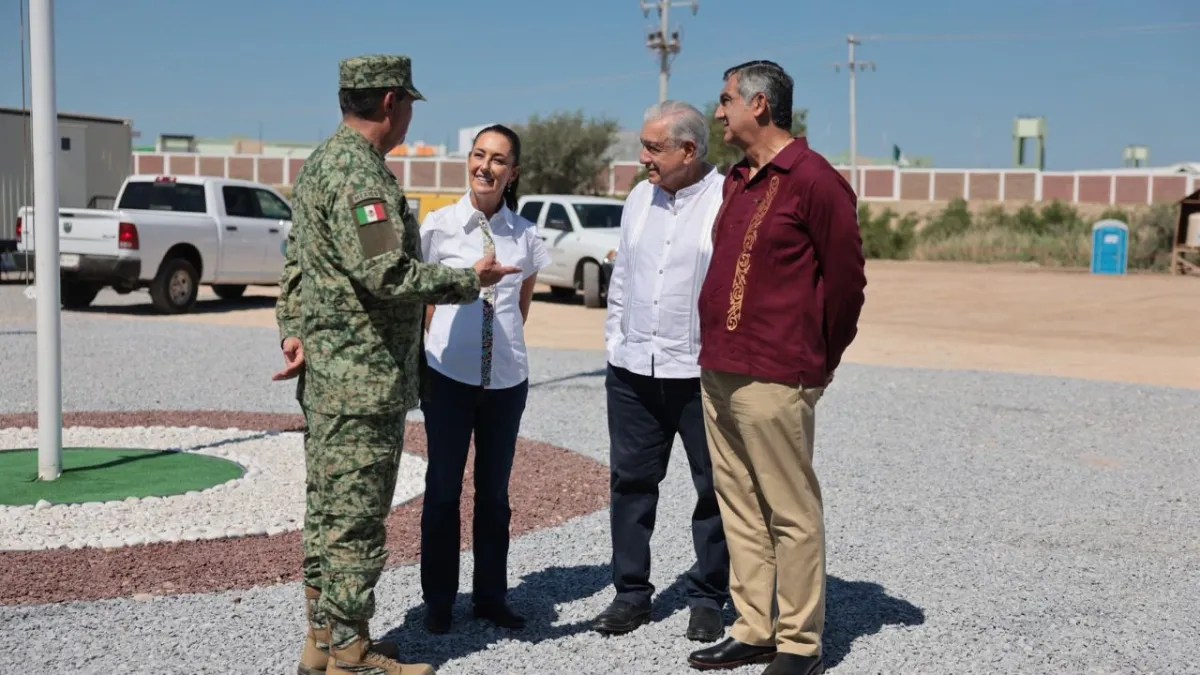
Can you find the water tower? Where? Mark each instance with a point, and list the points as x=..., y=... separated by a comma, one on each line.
x=1025, y=129
x=1136, y=156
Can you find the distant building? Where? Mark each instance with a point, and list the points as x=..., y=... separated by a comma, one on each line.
x=188, y=143
x=1183, y=167
x=93, y=160
x=183, y=143
x=418, y=149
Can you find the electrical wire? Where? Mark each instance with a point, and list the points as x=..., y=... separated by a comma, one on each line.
x=620, y=77
x=1150, y=29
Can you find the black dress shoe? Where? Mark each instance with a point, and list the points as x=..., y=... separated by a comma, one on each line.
x=437, y=620
x=792, y=664
x=705, y=625
x=729, y=653
x=500, y=614
x=620, y=617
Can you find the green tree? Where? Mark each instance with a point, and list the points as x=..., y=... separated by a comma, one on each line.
x=563, y=153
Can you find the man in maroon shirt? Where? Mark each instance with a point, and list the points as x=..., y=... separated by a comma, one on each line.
x=779, y=306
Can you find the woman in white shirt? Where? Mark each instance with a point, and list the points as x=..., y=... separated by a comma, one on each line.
x=477, y=381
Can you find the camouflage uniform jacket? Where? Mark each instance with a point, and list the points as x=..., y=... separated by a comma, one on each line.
x=354, y=287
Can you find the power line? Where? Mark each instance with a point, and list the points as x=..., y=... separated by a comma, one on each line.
x=689, y=67
x=1149, y=29
x=664, y=41
x=854, y=66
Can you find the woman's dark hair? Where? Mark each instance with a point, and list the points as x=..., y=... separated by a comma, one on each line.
x=510, y=191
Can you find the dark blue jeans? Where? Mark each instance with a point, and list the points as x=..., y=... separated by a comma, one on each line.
x=644, y=414
x=453, y=412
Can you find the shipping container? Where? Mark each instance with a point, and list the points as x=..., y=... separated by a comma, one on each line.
x=94, y=158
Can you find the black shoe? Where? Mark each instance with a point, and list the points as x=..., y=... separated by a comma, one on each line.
x=792, y=664
x=620, y=617
x=500, y=614
x=705, y=625
x=729, y=653
x=437, y=620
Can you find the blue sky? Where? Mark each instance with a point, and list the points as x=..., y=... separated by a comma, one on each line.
x=221, y=68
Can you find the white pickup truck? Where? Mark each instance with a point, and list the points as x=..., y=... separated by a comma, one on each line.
x=170, y=235
x=581, y=235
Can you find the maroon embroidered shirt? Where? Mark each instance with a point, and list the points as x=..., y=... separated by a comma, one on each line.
x=785, y=285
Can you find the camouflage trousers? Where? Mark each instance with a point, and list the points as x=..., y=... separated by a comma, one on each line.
x=351, y=463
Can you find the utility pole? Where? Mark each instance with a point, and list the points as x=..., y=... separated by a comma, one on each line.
x=44, y=119
x=664, y=41
x=854, y=66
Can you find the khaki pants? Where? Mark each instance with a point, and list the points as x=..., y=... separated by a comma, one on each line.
x=760, y=435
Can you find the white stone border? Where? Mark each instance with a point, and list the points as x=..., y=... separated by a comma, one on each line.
x=268, y=499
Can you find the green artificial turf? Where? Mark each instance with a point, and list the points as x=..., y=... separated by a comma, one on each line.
x=107, y=474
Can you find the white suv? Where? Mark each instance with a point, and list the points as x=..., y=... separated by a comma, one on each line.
x=581, y=235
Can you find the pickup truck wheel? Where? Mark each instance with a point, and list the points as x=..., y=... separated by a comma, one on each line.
x=591, y=285
x=229, y=291
x=78, y=294
x=174, y=290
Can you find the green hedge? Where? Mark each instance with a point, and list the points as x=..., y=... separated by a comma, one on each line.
x=1052, y=235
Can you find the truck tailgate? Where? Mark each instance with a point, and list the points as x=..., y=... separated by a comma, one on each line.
x=81, y=231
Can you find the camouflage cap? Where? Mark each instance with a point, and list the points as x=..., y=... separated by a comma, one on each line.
x=380, y=70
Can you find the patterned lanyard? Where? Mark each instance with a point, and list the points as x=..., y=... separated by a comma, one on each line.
x=489, y=308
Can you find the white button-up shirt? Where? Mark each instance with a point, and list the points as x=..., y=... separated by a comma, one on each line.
x=454, y=342
x=653, y=327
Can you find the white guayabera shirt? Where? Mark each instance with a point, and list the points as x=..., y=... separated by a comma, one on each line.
x=653, y=327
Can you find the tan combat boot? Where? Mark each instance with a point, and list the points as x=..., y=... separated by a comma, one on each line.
x=315, y=655
x=362, y=656
x=314, y=658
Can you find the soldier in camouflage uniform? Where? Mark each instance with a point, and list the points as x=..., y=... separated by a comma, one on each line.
x=350, y=310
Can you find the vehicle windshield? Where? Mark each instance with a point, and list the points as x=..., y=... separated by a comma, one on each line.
x=598, y=215
x=163, y=196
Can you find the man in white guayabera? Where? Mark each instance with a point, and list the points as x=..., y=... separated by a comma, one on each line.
x=653, y=386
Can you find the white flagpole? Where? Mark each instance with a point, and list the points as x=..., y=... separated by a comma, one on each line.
x=44, y=113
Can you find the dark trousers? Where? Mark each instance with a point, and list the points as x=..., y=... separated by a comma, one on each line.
x=453, y=412
x=644, y=414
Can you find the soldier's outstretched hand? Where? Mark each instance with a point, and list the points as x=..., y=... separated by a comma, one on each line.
x=490, y=271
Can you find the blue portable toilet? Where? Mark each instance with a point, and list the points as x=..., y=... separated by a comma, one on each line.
x=1110, y=247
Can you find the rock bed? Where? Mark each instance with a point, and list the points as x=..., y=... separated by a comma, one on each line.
x=268, y=499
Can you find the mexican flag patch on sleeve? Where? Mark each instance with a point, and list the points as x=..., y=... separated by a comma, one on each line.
x=370, y=213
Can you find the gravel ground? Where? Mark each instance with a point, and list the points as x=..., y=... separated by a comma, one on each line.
x=977, y=523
